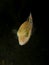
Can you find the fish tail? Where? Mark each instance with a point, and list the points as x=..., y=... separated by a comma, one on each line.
x=30, y=18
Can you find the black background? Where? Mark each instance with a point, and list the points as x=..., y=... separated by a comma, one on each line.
x=12, y=15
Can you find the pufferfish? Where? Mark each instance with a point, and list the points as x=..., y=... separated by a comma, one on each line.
x=25, y=31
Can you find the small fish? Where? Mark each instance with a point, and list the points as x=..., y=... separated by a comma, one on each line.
x=25, y=30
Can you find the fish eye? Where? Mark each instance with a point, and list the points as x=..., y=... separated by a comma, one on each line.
x=26, y=33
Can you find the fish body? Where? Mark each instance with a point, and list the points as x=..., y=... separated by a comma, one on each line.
x=25, y=30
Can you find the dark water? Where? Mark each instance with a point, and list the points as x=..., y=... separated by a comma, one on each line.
x=13, y=14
